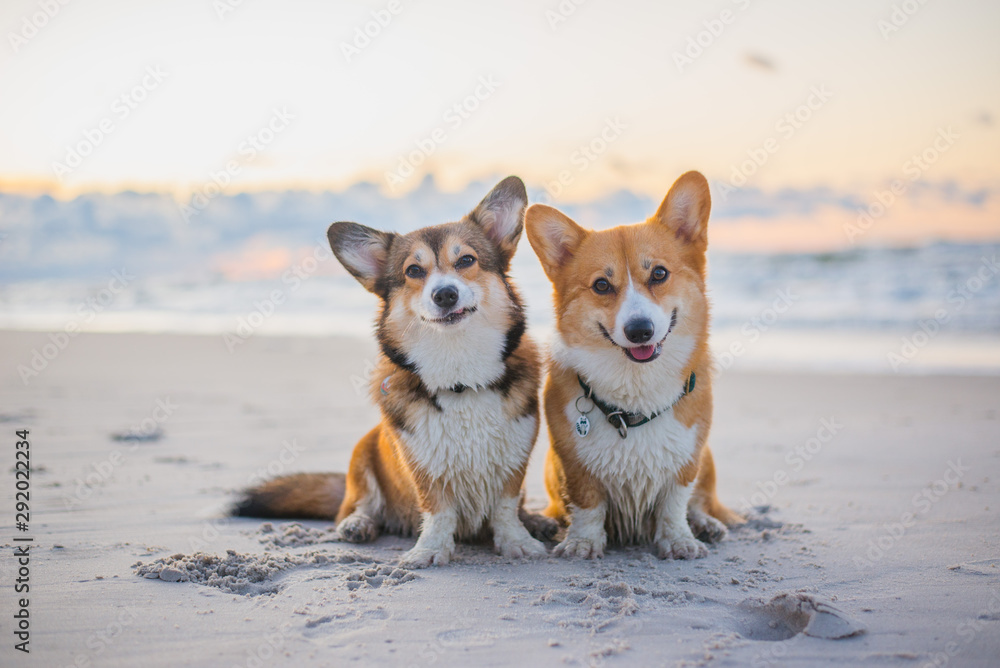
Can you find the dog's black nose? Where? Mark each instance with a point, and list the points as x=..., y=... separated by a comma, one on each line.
x=447, y=296
x=639, y=330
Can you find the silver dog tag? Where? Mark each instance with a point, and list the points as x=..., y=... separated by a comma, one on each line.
x=583, y=425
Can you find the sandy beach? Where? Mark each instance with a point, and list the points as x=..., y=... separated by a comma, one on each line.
x=874, y=539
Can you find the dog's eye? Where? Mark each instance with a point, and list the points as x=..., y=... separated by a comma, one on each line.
x=415, y=271
x=465, y=261
x=659, y=275
x=601, y=286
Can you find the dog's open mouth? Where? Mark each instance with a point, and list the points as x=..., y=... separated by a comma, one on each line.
x=644, y=353
x=648, y=352
x=455, y=316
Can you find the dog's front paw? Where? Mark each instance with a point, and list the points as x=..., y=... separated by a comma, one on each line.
x=357, y=529
x=421, y=557
x=585, y=548
x=707, y=528
x=684, y=547
x=521, y=548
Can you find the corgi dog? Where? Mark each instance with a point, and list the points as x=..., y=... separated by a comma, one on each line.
x=628, y=398
x=457, y=382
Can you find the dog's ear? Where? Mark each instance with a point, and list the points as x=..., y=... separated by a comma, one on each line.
x=501, y=215
x=686, y=207
x=553, y=236
x=362, y=250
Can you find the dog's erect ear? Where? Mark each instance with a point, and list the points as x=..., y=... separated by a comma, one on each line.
x=686, y=207
x=362, y=250
x=501, y=214
x=553, y=236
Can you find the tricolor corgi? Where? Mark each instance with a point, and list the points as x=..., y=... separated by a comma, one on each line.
x=457, y=384
x=629, y=394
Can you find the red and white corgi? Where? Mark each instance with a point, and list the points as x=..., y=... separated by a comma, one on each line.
x=629, y=394
x=457, y=383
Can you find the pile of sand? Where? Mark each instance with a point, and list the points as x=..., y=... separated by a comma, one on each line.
x=294, y=535
x=235, y=573
x=255, y=574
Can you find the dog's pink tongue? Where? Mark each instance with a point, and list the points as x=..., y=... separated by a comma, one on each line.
x=642, y=352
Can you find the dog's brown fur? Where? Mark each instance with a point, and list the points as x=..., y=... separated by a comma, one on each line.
x=574, y=258
x=457, y=448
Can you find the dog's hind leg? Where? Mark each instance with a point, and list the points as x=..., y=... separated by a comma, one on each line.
x=707, y=515
x=539, y=526
x=362, y=523
x=555, y=485
x=361, y=513
x=705, y=527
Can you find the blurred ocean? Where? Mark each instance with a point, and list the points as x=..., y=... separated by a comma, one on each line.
x=931, y=309
x=258, y=264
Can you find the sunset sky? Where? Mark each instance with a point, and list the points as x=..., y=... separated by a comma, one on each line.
x=871, y=85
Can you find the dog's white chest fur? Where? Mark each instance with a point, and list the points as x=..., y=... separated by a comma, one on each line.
x=471, y=448
x=634, y=469
x=639, y=469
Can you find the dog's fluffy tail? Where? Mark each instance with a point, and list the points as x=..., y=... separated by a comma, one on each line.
x=308, y=496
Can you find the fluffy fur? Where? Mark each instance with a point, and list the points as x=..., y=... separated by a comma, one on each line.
x=632, y=322
x=456, y=382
